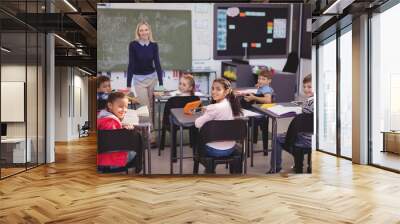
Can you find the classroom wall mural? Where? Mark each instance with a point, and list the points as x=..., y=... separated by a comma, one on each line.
x=164, y=106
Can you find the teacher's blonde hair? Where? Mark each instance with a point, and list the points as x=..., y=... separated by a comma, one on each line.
x=148, y=26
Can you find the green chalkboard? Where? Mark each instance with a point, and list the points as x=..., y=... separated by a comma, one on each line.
x=172, y=30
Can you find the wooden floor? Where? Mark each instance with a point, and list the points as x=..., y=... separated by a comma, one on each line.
x=70, y=191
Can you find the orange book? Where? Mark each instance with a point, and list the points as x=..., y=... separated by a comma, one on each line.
x=190, y=107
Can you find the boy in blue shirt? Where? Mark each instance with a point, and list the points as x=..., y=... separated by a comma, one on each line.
x=264, y=95
x=264, y=91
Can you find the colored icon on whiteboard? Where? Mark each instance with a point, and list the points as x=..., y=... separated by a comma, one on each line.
x=258, y=45
x=244, y=45
x=242, y=14
x=269, y=40
x=269, y=27
x=255, y=45
x=250, y=13
x=232, y=11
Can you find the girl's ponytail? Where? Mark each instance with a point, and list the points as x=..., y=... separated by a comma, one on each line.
x=235, y=103
x=233, y=100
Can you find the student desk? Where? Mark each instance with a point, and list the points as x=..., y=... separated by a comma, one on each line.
x=182, y=120
x=144, y=127
x=163, y=99
x=274, y=118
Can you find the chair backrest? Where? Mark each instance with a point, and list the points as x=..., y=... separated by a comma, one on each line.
x=301, y=123
x=222, y=130
x=120, y=139
x=176, y=102
x=284, y=86
x=292, y=63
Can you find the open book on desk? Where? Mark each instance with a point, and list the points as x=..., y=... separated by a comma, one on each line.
x=282, y=110
x=132, y=116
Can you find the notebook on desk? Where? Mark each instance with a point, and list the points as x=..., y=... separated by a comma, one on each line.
x=178, y=93
x=282, y=110
x=132, y=116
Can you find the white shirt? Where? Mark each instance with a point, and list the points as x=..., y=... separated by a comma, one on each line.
x=217, y=111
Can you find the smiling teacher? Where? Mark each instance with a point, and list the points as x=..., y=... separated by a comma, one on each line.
x=144, y=65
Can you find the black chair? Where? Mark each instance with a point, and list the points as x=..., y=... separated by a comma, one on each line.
x=84, y=130
x=174, y=102
x=292, y=63
x=216, y=130
x=298, y=153
x=121, y=140
x=302, y=123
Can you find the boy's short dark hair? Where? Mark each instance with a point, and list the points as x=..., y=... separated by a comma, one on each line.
x=266, y=73
x=101, y=79
x=307, y=79
x=115, y=96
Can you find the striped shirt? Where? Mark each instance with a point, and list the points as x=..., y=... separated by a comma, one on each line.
x=308, y=105
x=304, y=139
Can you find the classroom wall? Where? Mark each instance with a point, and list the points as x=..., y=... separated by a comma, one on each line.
x=202, y=34
x=71, y=102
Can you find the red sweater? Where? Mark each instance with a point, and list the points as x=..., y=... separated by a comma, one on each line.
x=108, y=121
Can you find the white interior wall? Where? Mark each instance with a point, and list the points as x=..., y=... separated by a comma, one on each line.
x=34, y=124
x=61, y=104
x=70, y=83
x=80, y=111
x=12, y=73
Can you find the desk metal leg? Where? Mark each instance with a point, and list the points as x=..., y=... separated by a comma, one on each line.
x=248, y=137
x=251, y=142
x=143, y=151
x=159, y=127
x=245, y=150
x=181, y=150
x=149, y=149
x=274, y=130
x=171, y=135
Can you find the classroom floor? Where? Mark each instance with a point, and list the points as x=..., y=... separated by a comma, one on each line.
x=161, y=164
x=71, y=191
